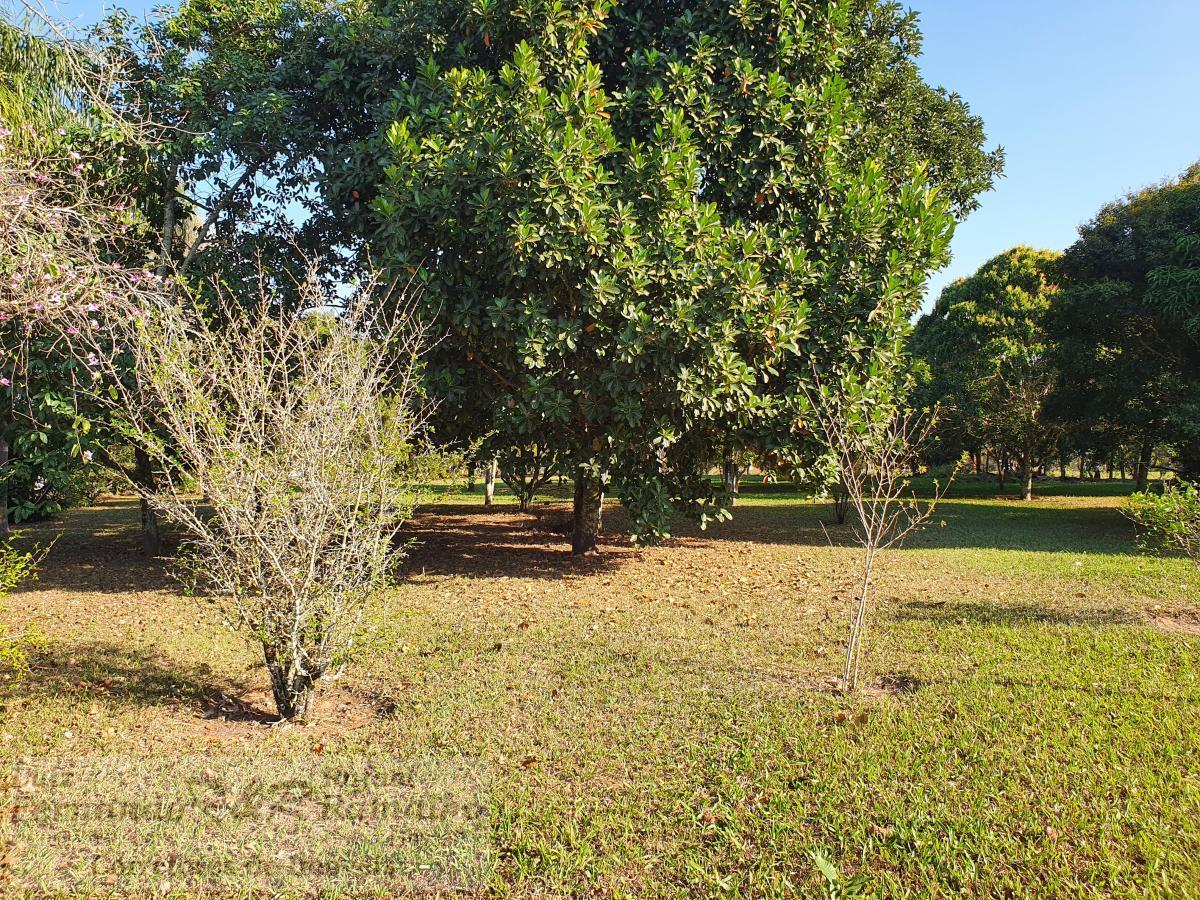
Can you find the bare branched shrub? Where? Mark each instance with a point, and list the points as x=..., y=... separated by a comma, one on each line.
x=873, y=445
x=292, y=449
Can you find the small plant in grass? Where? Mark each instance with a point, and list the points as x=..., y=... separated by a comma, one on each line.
x=305, y=437
x=1172, y=518
x=873, y=444
x=15, y=646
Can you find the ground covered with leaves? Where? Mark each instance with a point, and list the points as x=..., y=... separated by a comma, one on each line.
x=644, y=723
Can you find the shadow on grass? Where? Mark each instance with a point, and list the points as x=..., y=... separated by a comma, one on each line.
x=955, y=525
x=471, y=541
x=1007, y=614
x=95, y=549
x=126, y=676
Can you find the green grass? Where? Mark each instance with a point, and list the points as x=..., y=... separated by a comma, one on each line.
x=651, y=723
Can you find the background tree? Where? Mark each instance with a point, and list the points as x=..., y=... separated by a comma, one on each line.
x=1125, y=324
x=71, y=239
x=985, y=344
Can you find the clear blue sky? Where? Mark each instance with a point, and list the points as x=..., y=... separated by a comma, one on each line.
x=1090, y=99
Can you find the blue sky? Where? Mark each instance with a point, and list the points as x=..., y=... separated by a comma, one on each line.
x=1090, y=99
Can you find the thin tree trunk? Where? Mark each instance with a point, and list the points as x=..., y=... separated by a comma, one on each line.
x=589, y=507
x=1082, y=468
x=293, y=691
x=1026, y=476
x=1062, y=468
x=489, y=482
x=1145, y=456
x=470, y=478
x=144, y=475
x=854, y=645
x=732, y=479
x=5, y=530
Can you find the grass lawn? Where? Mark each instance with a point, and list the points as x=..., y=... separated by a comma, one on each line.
x=646, y=723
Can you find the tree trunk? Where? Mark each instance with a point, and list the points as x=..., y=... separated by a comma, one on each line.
x=1062, y=468
x=1003, y=471
x=857, y=626
x=293, y=690
x=489, y=482
x=1082, y=468
x=977, y=463
x=5, y=531
x=1026, y=476
x=470, y=478
x=589, y=508
x=732, y=479
x=144, y=476
x=526, y=501
x=1145, y=457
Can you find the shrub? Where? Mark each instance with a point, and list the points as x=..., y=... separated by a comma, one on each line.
x=304, y=435
x=1171, y=517
x=15, y=646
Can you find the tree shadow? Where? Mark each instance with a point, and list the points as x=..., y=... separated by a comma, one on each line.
x=125, y=676
x=474, y=542
x=955, y=525
x=948, y=612
x=96, y=549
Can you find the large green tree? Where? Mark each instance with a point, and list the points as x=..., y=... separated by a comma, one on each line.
x=1127, y=323
x=989, y=362
x=793, y=152
x=632, y=275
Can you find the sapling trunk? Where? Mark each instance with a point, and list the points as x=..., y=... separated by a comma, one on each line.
x=857, y=626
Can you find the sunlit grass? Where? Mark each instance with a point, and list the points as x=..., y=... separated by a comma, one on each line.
x=652, y=723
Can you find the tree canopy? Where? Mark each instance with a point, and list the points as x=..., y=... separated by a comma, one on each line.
x=634, y=273
x=986, y=347
x=1127, y=325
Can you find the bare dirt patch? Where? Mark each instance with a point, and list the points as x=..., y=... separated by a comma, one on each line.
x=1186, y=621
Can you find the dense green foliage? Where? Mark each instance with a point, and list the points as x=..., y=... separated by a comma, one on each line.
x=1094, y=355
x=1127, y=324
x=988, y=359
x=1172, y=518
x=633, y=266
